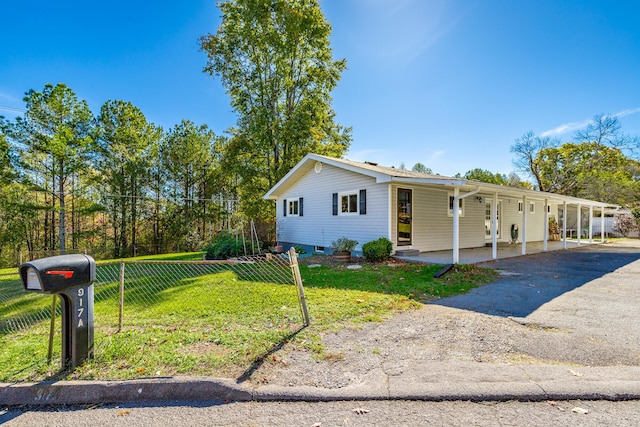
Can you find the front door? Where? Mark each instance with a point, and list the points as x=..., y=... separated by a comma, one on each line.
x=487, y=219
x=404, y=217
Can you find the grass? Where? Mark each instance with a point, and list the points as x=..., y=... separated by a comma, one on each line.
x=223, y=323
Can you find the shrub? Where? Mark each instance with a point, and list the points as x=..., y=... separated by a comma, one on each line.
x=624, y=223
x=224, y=246
x=377, y=250
x=299, y=249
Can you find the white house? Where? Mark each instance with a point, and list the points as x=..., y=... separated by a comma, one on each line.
x=324, y=198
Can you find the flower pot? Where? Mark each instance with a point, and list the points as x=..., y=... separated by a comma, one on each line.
x=278, y=249
x=341, y=256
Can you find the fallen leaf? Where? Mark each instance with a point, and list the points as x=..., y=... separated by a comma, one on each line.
x=141, y=370
x=574, y=373
x=579, y=410
x=123, y=413
x=555, y=405
x=361, y=411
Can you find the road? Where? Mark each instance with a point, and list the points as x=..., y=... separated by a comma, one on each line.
x=324, y=414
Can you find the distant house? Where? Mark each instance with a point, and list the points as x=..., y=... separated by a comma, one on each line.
x=324, y=198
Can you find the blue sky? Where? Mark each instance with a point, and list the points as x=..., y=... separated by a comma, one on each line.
x=448, y=83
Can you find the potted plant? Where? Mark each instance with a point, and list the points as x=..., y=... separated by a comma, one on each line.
x=554, y=229
x=342, y=248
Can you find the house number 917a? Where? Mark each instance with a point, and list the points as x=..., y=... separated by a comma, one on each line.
x=81, y=294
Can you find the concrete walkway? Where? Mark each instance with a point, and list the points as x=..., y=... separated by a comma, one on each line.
x=505, y=250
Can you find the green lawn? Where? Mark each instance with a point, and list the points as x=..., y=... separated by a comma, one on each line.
x=220, y=324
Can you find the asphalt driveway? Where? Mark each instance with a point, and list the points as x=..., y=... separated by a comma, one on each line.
x=589, y=296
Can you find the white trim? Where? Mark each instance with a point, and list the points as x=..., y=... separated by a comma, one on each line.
x=290, y=201
x=348, y=194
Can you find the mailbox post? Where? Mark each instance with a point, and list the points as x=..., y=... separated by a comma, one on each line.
x=70, y=277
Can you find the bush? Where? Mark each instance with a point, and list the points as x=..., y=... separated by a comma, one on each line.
x=377, y=250
x=224, y=246
x=624, y=223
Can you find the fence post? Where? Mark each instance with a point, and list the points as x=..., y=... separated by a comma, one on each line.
x=121, y=314
x=52, y=329
x=293, y=263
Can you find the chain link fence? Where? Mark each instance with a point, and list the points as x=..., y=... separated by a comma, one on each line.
x=136, y=294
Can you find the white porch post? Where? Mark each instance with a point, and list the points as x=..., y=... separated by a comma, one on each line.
x=456, y=226
x=494, y=226
x=590, y=223
x=579, y=223
x=525, y=209
x=602, y=225
x=545, y=232
x=564, y=225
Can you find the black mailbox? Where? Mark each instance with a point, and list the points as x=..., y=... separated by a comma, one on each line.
x=71, y=278
x=54, y=274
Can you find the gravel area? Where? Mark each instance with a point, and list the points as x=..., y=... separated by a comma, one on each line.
x=437, y=332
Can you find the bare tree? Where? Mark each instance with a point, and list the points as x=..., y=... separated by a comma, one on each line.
x=526, y=149
x=605, y=130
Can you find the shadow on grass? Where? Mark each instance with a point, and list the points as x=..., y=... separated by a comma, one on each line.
x=259, y=361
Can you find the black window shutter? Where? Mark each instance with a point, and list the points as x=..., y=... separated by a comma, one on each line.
x=300, y=207
x=363, y=202
x=335, y=203
x=284, y=207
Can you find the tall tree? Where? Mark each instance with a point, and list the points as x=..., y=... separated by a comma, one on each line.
x=126, y=142
x=482, y=175
x=590, y=170
x=275, y=61
x=420, y=168
x=606, y=131
x=526, y=149
x=188, y=157
x=54, y=139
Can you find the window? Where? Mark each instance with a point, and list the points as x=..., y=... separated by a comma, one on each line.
x=532, y=207
x=292, y=207
x=350, y=203
x=520, y=207
x=460, y=206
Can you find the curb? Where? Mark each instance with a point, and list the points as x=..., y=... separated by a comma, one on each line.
x=199, y=388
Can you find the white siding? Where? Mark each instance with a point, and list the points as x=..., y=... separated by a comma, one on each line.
x=432, y=227
x=535, y=221
x=318, y=226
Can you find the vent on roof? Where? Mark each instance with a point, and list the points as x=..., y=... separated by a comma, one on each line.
x=371, y=163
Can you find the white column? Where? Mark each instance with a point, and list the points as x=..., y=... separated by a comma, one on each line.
x=494, y=226
x=456, y=226
x=579, y=223
x=590, y=223
x=564, y=225
x=545, y=232
x=525, y=211
x=602, y=224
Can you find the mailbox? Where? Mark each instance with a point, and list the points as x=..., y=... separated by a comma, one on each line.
x=71, y=278
x=54, y=274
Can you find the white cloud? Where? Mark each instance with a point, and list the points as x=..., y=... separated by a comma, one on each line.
x=573, y=126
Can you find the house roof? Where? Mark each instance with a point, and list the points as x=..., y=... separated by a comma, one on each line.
x=385, y=174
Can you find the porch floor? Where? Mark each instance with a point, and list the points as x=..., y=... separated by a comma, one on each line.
x=505, y=250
